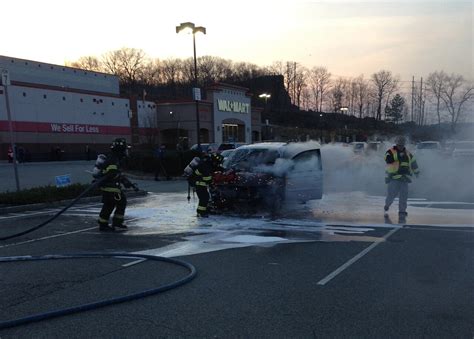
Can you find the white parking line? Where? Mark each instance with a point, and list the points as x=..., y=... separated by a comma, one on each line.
x=24, y=215
x=329, y=277
x=48, y=237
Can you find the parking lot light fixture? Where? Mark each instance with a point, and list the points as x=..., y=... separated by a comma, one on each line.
x=191, y=27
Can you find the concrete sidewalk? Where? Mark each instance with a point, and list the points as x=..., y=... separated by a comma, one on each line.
x=37, y=174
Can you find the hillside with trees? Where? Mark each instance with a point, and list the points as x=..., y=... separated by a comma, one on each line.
x=313, y=98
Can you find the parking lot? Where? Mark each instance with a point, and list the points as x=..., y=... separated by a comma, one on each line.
x=257, y=277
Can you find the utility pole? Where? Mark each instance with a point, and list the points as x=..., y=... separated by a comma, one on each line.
x=412, y=96
x=5, y=81
x=294, y=83
x=420, y=118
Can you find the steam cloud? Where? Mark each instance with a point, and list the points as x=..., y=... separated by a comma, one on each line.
x=442, y=177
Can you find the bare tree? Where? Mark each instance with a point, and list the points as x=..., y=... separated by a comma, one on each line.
x=337, y=95
x=243, y=71
x=172, y=71
x=127, y=63
x=301, y=77
x=455, y=93
x=436, y=82
x=188, y=70
x=213, y=69
x=90, y=63
x=306, y=99
x=152, y=73
x=352, y=96
x=320, y=80
x=385, y=84
x=362, y=93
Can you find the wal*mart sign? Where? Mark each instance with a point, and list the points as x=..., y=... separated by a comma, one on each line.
x=233, y=106
x=74, y=128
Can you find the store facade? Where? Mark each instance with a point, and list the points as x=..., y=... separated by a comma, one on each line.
x=225, y=116
x=60, y=112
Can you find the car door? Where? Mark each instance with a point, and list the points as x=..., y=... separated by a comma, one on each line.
x=304, y=180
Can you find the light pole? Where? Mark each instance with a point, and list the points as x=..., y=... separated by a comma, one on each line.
x=321, y=127
x=177, y=126
x=196, y=92
x=265, y=96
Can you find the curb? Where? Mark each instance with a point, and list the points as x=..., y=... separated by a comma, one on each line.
x=40, y=206
x=151, y=178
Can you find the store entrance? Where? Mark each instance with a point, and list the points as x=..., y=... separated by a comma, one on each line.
x=233, y=132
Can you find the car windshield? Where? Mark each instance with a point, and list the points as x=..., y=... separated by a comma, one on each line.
x=248, y=159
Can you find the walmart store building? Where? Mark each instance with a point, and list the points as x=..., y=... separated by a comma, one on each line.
x=226, y=115
x=53, y=106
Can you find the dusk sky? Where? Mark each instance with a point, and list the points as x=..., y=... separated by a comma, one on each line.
x=411, y=37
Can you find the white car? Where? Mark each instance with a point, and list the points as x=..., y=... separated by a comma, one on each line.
x=206, y=147
x=428, y=145
x=463, y=149
x=358, y=147
x=270, y=173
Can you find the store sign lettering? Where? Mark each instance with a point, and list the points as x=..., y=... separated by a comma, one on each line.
x=233, y=106
x=74, y=128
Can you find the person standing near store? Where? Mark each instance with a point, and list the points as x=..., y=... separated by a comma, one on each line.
x=160, y=162
x=401, y=165
x=10, y=155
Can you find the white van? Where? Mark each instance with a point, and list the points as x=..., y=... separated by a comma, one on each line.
x=272, y=172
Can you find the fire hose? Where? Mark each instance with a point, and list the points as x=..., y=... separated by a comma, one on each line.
x=102, y=303
x=64, y=209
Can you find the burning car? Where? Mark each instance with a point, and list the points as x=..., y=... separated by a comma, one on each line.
x=267, y=174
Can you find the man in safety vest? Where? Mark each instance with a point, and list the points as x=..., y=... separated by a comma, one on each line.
x=401, y=165
x=113, y=196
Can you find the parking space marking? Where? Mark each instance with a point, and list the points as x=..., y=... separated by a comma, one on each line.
x=48, y=237
x=351, y=261
x=23, y=215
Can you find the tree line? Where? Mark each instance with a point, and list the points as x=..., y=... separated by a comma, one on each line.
x=442, y=97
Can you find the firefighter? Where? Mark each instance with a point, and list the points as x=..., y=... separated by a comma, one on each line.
x=216, y=162
x=217, y=171
x=203, y=178
x=401, y=165
x=113, y=197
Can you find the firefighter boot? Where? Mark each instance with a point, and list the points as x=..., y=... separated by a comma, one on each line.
x=117, y=222
x=104, y=227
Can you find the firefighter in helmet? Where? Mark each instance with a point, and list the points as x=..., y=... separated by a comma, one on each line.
x=203, y=178
x=216, y=162
x=113, y=197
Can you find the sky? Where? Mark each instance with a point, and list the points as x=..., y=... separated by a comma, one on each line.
x=352, y=37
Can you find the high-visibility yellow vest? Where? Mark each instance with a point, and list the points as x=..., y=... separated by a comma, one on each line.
x=393, y=169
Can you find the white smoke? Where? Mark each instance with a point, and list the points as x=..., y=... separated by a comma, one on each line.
x=345, y=170
x=442, y=177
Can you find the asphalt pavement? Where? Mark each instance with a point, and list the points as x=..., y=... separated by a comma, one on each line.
x=308, y=276
x=292, y=279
